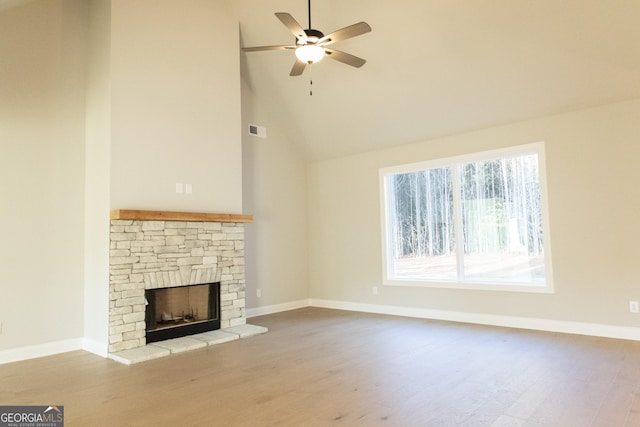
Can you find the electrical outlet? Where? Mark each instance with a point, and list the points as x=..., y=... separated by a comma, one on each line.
x=179, y=188
x=633, y=306
x=374, y=290
x=188, y=188
x=258, y=293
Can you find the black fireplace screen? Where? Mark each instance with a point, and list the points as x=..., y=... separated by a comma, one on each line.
x=182, y=310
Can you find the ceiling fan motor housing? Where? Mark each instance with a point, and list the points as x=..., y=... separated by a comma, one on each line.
x=312, y=35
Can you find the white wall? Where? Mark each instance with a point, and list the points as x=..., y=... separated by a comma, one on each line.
x=275, y=192
x=162, y=106
x=593, y=204
x=42, y=173
x=97, y=156
x=175, y=106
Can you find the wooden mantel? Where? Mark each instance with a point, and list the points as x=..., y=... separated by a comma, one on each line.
x=178, y=216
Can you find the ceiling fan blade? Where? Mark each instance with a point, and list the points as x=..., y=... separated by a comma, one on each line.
x=345, y=33
x=293, y=26
x=261, y=48
x=298, y=68
x=345, y=58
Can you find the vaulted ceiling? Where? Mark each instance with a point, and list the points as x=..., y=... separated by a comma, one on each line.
x=439, y=67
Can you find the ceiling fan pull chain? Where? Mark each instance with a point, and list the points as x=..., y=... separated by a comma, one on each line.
x=310, y=81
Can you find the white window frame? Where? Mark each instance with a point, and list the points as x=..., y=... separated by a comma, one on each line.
x=453, y=162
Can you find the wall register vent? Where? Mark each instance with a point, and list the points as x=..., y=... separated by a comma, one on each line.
x=258, y=131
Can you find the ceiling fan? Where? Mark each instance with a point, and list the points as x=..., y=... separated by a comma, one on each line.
x=311, y=45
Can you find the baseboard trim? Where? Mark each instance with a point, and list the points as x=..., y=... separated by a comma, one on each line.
x=40, y=350
x=277, y=308
x=95, y=347
x=548, y=325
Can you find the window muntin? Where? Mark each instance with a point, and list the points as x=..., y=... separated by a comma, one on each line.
x=478, y=221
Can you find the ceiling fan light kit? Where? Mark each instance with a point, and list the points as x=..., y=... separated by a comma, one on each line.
x=310, y=46
x=309, y=53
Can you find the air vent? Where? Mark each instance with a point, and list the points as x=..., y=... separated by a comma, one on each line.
x=258, y=131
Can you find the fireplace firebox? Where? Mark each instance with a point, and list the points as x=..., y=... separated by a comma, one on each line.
x=182, y=310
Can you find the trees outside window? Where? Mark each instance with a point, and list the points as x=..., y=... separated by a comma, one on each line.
x=473, y=220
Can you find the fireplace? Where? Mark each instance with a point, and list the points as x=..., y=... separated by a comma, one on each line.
x=152, y=250
x=178, y=311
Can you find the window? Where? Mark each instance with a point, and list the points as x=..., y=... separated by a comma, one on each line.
x=477, y=221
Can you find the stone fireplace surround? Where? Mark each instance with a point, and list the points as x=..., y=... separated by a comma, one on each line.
x=158, y=249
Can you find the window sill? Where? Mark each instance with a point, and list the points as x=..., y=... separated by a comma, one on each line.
x=476, y=286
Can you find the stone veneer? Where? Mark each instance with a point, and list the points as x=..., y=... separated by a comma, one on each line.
x=161, y=254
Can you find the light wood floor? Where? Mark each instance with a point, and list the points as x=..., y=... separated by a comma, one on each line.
x=319, y=367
